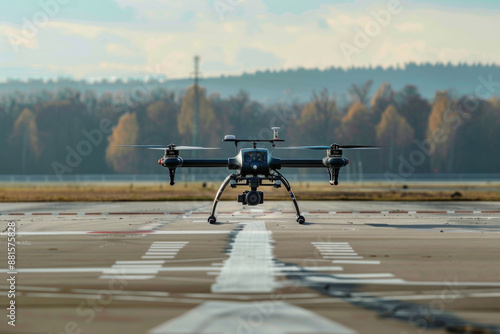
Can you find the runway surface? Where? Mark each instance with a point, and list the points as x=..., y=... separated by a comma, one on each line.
x=159, y=267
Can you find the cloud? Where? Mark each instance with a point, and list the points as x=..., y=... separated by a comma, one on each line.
x=252, y=59
x=89, y=10
x=257, y=34
x=410, y=27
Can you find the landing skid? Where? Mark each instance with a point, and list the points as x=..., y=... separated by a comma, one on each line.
x=254, y=181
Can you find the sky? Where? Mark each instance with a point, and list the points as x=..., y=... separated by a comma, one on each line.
x=96, y=39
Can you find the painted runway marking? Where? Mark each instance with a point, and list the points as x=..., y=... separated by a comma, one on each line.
x=355, y=262
x=326, y=254
x=143, y=270
x=275, y=317
x=250, y=266
x=121, y=232
x=140, y=262
x=253, y=211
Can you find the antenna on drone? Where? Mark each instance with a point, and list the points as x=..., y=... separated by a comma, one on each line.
x=275, y=132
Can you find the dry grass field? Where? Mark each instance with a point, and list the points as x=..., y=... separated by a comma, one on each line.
x=148, y=191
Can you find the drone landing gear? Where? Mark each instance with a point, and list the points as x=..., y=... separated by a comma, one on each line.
x=334, y=175
x=236, y=177
x=212, y=219
x=300, y=218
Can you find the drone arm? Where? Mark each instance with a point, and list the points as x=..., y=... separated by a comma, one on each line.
x=204, y=163
x=302, y=163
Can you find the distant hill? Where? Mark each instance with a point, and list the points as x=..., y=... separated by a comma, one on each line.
x=272, y=86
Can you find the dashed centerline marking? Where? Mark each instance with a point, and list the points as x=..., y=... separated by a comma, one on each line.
x=254, y=212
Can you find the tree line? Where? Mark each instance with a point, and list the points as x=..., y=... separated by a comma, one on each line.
x=67, y=131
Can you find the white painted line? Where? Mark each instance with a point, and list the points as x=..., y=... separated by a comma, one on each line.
x=64, y=295
x=94, y=269
x=336, y=268
x=57, y=270
x=171, y=242
x=484, y=294
x=450, y=211
x=330, y=243
x=194, y=232
x=160, y=253
x=34, y=288
x=326, y=254
x=342, y=257
x=381, y=275
x=324, y=279
x=212, y=317
x=338, y=251
x=412, y=212
x=165, y=250
x=53, y=233
x=137, y=298
x=140, y=262
x=167, y=247
x=126, y=271
x=332, y=246
x=355, y=262
x=123, y=292
x=127, y=277
x=384, y=212
x=100, y=233
x=157, y=257
x=126, y=266
x=250, y=266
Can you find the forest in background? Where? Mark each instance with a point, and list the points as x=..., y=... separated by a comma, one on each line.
x=67, y=130
x=269, y=86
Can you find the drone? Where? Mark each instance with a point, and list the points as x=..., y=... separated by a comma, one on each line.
x=253, y=166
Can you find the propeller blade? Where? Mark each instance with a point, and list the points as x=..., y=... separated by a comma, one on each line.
x=303, y=148
x=159, y=147
x=163, y=147
x=359, y=147
x=343, y=147
x=196, y=148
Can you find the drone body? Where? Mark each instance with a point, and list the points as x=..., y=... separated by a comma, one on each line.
x=255, y=165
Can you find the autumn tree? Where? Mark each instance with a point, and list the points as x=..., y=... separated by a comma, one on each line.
x=414, y=108
x=242, y=116
x=356, y=126
x=395, y=132
x=382, y=98
x=360, y=93
x=319, y=119
x=208, y=124
x=61, y=126
x=443, y=123
x=478, y=137
x=126, y=132
x=25, y=139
